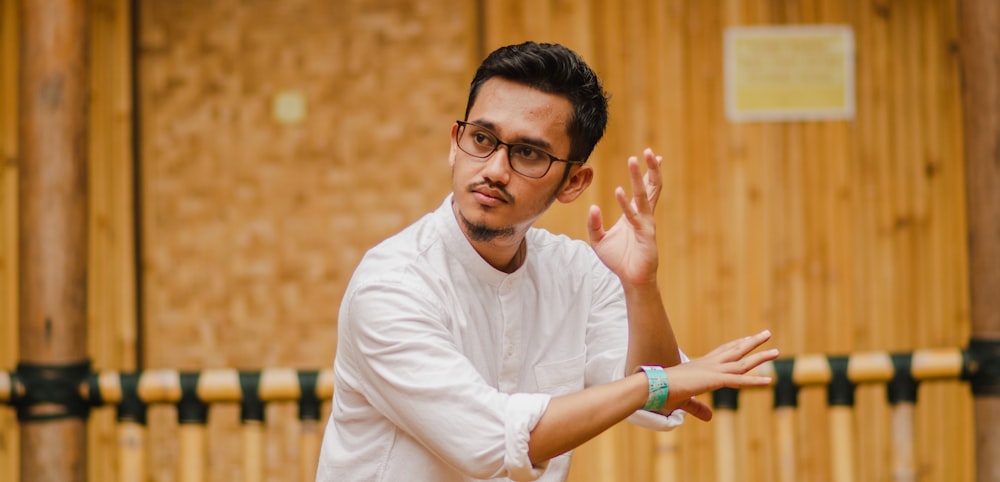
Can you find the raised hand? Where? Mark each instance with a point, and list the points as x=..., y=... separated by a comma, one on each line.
x=725, y=366
x=628, y=248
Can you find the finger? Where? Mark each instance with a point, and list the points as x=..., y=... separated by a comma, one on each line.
x=595, y=224
x=653, y=178
x=756, y=359
x=628, y=207
x=640, y=197
x=742, y=381
x=747, y=344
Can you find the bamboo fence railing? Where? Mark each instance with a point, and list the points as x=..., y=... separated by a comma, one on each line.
x=192, y=393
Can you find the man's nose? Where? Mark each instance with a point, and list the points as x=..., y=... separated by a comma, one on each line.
x=497, y=168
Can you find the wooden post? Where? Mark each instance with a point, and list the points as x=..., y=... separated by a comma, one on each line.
x=980, y=54
x=725, y=403
x=52, y=242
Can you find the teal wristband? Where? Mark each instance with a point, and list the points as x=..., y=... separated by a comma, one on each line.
x=659, y=387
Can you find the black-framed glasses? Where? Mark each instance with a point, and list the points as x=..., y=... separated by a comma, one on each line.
x=524, y=159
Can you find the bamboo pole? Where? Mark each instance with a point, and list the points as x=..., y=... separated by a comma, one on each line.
x=665, y=462
x=724, y=421
x=904, y=468
x=842, y=438
x=309, y=444
x=785, y=450
x=52, y=241
x=191, y=440
x=131, y=452
x=725, y=402
x=980, y=56
x=253, y=451
x=9, y=34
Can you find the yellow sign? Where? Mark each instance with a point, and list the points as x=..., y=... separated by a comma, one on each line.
x=789, y=73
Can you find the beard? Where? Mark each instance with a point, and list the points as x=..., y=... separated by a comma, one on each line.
x=483, y=233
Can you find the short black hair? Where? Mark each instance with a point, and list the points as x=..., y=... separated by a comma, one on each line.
x=554, y=69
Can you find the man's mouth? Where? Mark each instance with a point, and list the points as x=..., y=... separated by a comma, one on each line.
x=489, y=196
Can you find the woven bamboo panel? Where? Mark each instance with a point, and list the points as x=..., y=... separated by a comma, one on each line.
x=253, y=220
x=252, y=226
x=838, y=236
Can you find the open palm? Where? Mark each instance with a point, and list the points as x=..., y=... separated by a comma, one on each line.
x=628, y=248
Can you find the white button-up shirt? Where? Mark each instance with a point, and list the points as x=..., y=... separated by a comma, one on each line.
x=444, y=364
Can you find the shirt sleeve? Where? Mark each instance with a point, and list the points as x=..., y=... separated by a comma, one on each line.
x=397, y=351
x=607, y=344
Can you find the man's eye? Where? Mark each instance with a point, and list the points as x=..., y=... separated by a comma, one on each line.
x=527, y=153
x=482, y=139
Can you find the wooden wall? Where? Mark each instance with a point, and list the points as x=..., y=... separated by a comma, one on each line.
x=253, y=223
x=839, y=236
x=9, y=454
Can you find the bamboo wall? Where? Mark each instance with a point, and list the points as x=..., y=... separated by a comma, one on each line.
x=9, y=455
x=838, y=236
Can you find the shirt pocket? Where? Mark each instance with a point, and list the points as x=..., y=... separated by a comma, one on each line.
x=561, y=377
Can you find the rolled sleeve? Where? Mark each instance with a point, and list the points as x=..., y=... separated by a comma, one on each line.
x=522, y=414
x=656, y=421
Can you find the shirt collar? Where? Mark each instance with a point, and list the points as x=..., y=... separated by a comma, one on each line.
x=460, y=247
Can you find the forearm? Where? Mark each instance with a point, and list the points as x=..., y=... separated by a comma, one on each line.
x=570, y=420
x=651, y=339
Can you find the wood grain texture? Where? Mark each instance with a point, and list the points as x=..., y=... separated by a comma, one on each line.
x=839, y=236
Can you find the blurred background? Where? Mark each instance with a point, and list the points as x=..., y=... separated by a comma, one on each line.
x=244, y=154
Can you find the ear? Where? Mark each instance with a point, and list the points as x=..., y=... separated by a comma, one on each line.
x=579, y=178
x=454, y=147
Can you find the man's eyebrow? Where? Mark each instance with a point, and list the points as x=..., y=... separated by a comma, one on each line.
x=534, y=141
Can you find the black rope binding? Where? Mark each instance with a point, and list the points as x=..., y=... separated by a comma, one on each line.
x=131, y=408
x=902, y=387
x=840, y=391
x=981, y=366
x=251, y=406
x=786, y=392
x=51, y=391
x=726, y=398
x=309, y=403
x=190, y=409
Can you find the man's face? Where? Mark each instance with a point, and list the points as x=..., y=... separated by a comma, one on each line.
x=491, y=200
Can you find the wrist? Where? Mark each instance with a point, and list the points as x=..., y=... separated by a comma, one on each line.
x=641, y=288
x=658, y=387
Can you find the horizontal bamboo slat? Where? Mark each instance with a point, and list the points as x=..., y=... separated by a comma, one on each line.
x=284, y=384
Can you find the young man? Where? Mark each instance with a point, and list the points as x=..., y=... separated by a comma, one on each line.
x=473, y=346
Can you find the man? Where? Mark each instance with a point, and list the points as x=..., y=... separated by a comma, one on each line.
x=473, y=346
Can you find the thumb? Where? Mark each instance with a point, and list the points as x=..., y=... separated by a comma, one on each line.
x=696, y=407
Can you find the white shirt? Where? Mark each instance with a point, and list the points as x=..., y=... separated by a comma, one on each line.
x=444, y=364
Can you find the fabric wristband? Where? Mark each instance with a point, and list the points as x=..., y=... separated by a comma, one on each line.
x=659, y=387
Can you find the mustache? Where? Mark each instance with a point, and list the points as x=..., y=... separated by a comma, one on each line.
x=492, y=185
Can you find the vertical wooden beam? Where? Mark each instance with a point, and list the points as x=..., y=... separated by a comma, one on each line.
x=52, y=241
x=980, y=56
x=9, y=27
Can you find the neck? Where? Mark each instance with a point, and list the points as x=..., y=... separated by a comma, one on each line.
x=504, y=256
x=518, y=259
x=504, y=249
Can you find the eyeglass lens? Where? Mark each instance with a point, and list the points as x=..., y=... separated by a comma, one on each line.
x=524, y=159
